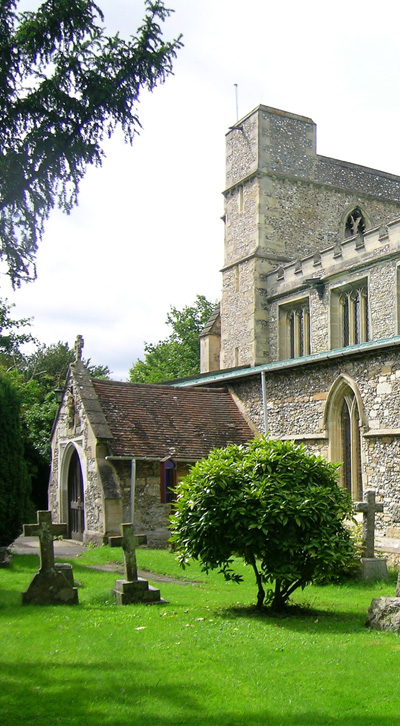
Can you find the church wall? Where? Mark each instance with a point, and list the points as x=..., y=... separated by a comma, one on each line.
x=237, y=314
x=241, y=221
x=382, y=283
x=383, y=472
x=151, y=516
x=296, y=400
x=374, y=259
x=301, y=218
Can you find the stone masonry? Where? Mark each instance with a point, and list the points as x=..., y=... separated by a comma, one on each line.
x=283, y=202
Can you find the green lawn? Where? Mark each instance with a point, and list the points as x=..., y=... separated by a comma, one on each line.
x=205, y=658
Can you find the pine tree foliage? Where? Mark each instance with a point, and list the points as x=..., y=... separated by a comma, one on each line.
x=64, y=87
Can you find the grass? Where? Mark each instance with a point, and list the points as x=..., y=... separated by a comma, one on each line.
x=206, y=658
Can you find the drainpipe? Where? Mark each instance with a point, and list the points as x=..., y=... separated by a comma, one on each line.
x=133, y=488
x=264, y=402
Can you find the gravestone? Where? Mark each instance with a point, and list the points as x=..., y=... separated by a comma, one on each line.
x=372, y=568
x=53, y=584
x=132, y=589
x=384, y=612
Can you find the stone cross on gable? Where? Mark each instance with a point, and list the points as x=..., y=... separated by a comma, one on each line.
x=79, y=343
x=46, y=531
x=369, y=507
x=129, y=541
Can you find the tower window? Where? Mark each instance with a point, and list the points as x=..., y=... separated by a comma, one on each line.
x=355, y=223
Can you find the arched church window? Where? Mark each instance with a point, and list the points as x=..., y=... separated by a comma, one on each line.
x=349, y=315
x=354, y=304
x=355, y=223
x=343, y=424
x=350, y=444
x=294, y=330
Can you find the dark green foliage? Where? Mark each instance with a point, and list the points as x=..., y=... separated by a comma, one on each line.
x=34, y=376
x=14, y=479
x=271, y=503
x=48, y=365
x=178, y=355
x=64, y=86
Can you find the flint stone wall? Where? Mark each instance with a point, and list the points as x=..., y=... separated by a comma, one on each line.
x=375, y=263
x=151, y=516
x=296, y=400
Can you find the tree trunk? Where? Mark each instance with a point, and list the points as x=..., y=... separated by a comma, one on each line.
x=278, y=603
x=261, y=591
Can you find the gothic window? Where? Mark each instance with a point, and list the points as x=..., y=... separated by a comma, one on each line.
x=355, y=223
x=294, y=330
x=350, y=455
x=343, y=419
x=349, y=315
x=354, y=304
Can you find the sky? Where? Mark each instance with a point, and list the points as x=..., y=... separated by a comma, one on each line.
x=147, y=233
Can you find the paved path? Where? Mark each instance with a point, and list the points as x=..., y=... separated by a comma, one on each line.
x=71, y=548
x=62, y=547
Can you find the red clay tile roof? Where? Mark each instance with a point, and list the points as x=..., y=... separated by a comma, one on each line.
x=156, y=421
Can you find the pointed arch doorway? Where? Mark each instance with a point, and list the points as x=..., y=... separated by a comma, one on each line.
x=76, y=507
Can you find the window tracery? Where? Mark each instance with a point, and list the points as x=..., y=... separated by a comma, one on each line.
x=295, y=330
x=355, y=223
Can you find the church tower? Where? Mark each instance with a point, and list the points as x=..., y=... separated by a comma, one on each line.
x=284, y=202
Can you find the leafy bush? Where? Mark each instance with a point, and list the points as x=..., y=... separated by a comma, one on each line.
x=271, y=503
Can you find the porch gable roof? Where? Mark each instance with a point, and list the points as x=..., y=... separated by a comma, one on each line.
x=155, y=421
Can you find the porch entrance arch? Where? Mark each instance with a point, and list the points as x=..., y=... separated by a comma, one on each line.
x=76, y=505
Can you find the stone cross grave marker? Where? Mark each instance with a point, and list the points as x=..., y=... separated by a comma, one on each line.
x=133, y=589
x=50, y=585
x=369, y=507
x=129, y=541
x=46, y=531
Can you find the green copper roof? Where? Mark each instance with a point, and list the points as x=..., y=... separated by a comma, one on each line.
x=234, y=373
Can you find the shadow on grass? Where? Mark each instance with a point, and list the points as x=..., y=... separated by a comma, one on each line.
x=300, y=618
x=73, y=693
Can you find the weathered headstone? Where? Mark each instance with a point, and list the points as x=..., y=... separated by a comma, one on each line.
x=372, y=568
x=133, y=589
x=53, y=584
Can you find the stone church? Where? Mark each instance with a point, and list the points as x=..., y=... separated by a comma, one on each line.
x=304, y=345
